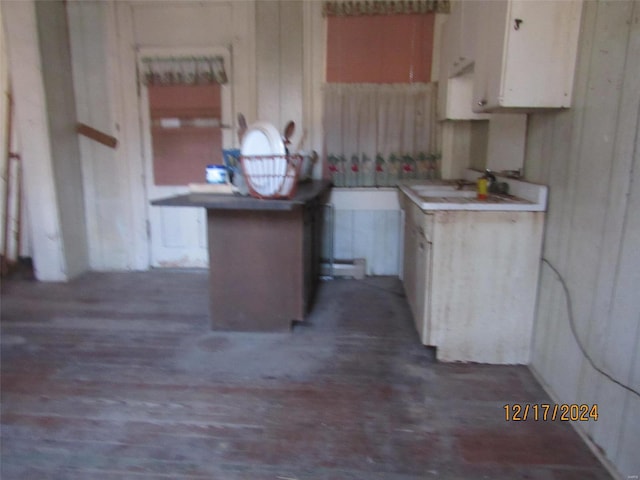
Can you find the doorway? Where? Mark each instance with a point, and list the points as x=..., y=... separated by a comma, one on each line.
x=184, y=123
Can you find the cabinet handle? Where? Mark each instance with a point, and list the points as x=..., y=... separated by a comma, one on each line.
x=516, y=23
x=482, y=103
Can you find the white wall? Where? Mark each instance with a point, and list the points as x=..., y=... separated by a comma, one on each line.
x=590, y=158
x=61, y=116
x=4, y=90
x=18, y=240
x=106, y=38
x=276, y=70
x=279, y=48
x=366, y=224
x=47, y=149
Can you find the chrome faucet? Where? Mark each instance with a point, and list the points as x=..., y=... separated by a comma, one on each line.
x=493, y=186
x=491, y=178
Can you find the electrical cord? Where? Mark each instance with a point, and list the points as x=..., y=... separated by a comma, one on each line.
x=387, y=290
x=586, y=355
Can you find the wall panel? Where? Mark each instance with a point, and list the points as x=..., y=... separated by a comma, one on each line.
x=589, y=157
x=4, y=88
x=367, y=224
x=279, y=63
x=370, y=234
x=112, y=228
x=50, y=247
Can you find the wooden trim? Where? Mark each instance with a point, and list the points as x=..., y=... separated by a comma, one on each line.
x=96, y=135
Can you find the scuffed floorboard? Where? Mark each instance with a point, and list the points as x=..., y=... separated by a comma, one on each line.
x=117, y=376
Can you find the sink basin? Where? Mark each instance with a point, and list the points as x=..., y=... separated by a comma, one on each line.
x=428, y=191
x=447, y=195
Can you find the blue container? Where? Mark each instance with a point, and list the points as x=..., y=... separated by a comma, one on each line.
x=217, y=174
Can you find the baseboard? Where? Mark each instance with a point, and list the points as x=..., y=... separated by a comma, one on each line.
x=356, y=268
x=592, y=446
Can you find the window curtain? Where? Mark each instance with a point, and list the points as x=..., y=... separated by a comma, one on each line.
x=377, y=135
x=187, y=70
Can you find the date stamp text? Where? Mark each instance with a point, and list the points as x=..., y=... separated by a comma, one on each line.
x=550, y=412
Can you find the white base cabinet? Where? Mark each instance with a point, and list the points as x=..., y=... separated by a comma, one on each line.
x=471, y=279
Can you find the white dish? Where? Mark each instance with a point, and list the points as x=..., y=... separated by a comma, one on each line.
x=264, y=174
x=288, y=181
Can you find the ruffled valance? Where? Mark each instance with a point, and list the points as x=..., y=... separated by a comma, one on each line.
x=186, y=70
x=383, y=7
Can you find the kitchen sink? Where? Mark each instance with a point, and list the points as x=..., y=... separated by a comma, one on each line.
x=461, y=195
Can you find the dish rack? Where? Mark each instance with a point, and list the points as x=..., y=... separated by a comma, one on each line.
x=271, y=176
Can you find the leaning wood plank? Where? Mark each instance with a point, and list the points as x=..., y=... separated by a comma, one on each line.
x=96, y=135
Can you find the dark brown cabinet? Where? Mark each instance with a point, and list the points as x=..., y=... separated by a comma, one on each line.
x=264, y=257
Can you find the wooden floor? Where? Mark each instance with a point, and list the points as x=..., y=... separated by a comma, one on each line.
x=117, y=376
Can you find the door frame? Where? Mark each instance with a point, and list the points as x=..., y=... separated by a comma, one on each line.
x=152, y=191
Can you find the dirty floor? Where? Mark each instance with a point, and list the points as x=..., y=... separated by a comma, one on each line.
x=117, y=376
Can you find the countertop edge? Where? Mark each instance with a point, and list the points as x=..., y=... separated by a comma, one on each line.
x=475, y=207
x=213, y=201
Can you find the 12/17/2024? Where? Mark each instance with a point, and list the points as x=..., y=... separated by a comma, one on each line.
x=565, y=412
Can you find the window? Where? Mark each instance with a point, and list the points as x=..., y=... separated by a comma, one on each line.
x=185, y=131
x=185, y=113
x=380, y=48
x=379, y=107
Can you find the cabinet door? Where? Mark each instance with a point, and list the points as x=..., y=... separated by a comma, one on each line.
x=423, y=253
x=424, y=249
x=525, y=54
x=539, y=59
x=409, y=260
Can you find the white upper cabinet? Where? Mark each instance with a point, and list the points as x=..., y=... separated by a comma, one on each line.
x=525, y=54
x=455, y=97
x=455, y=90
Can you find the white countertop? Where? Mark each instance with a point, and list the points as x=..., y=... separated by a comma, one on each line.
x=445, y=195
